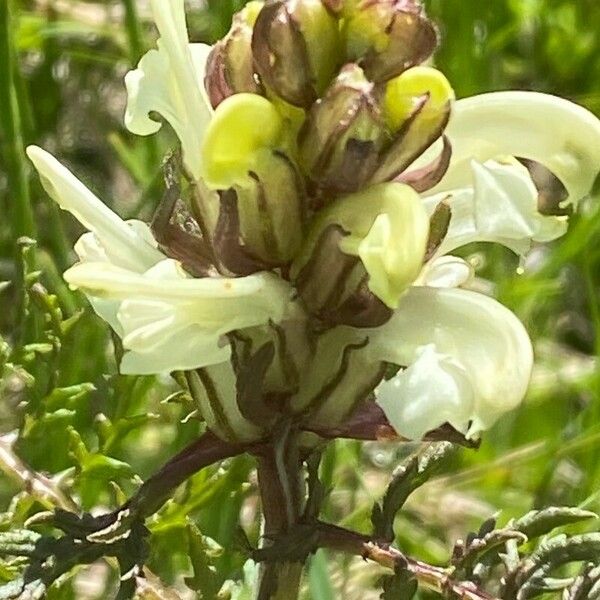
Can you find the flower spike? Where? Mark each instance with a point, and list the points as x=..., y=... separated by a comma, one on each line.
x=302, y=260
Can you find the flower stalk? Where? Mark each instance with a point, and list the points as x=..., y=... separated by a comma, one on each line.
x=280, y=480
x=156, y=490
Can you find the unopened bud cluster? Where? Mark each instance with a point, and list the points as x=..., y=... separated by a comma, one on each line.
x=321, y=106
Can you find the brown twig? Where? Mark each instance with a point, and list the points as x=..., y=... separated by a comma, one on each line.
x=433, y=578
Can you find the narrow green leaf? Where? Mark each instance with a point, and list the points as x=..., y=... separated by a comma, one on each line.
x=205, y=580
x=540, y=522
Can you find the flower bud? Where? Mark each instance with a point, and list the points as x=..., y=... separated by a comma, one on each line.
x=387, y=37
x=416, y=107
x=244, y=151
x=295, y=46
x=241, y=125
x=386, y=227
x=344, y=132
x=230, y=66
x=271, y=207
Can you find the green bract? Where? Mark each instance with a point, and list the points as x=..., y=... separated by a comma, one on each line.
x=270, y=204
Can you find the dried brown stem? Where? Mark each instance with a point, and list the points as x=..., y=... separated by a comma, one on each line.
x=433, y=578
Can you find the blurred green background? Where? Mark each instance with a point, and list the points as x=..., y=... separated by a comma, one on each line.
x=61, y=86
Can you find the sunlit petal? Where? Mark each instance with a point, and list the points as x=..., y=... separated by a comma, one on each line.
x=123, y=244
x=177, y=352
x=392, y=249
x=89, y=249
x=170, y=81
x=562, y=136
x=500, y=206
x=447, y=272
x=109, y=280
x=164, y=307
x=477, y=352
x=387, y=228
x=433, y=390
x=233, y=140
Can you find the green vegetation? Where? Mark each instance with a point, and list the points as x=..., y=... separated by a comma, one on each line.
x=80, y=430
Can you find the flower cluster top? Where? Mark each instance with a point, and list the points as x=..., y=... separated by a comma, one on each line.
x=300, y=264
x=315, y=103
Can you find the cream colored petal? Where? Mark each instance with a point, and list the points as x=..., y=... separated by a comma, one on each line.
x=475, y=339
x=170, y=81
x=562, y=136
x=177, y=353
x=432, y=391
x=199, y=53
x=107, y=310
x=143, y=231
x=500, y=206
x=122, y=243
x=89, y=249
x=447, y=272
x=392, y=251
x=387, y=229
x=107, y=280
x=163, y=307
